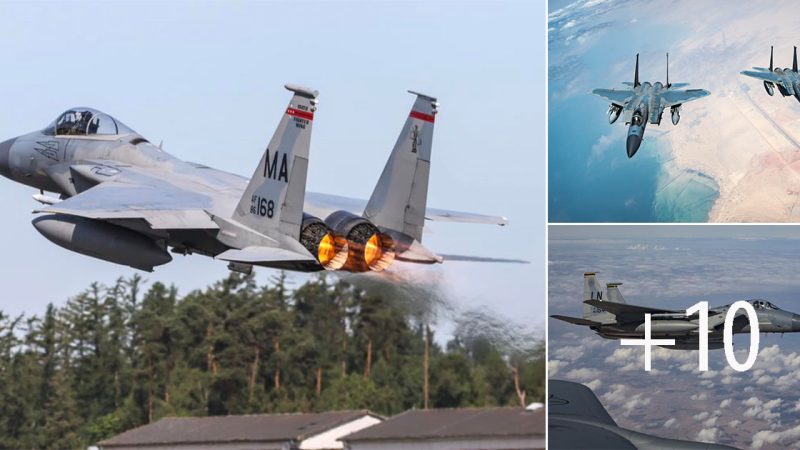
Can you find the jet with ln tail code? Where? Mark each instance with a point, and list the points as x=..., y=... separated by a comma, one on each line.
x=607, y=314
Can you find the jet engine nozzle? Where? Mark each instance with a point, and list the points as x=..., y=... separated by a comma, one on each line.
x=330, y=250
x=613, y=113
x=770, y=88
x=368, y=247
x=675, y=111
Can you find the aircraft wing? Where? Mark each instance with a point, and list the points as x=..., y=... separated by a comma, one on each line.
x=626, y=312
x=670, y=97
x=132, y=194
x=766, y=75
x=616, y=96
x=574, y=400
x=321, y=205
x=575, y=320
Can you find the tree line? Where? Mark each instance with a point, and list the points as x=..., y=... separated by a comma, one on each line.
x=116, y=357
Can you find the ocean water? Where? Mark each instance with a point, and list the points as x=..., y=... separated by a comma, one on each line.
x=590, y=178
x=683, y=195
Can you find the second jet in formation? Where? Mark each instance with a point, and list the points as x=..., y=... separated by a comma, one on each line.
x=786, y=80
x=645, y=102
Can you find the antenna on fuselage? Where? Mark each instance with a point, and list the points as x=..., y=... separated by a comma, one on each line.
x=668, y=85
x=636, y=73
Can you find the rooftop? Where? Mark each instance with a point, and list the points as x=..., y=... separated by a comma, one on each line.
x=457, y=423
x=227, y=429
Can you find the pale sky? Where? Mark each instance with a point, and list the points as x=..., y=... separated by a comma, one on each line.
x=206, y=78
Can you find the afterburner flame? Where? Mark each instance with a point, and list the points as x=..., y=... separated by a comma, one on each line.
x=327, y=249
x=372, y=250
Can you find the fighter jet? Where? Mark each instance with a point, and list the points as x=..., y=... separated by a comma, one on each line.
x=645, y=102
x=124, y=200
x=577, y=420
x=787, y=80
x=612, y=318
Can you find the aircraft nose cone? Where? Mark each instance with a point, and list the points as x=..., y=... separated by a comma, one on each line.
x=5, y=149
x=633, y=144
x=795, y=322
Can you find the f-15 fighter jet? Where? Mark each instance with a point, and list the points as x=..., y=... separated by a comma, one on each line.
x=124, y=200
x=612, y=318
x=787, y=80
x=645, y=102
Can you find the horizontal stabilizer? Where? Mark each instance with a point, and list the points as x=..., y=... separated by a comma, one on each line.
x=678, y=85
x=443, y=215
x=255, y=255
x=575, y=320
x=322, y=205
x=483, y=259
x=619, y=309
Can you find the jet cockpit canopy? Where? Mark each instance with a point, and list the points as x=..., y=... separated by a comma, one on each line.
x=85, y=121
x=762, y=304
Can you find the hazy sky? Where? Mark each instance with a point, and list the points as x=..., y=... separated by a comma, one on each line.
x=206, y=78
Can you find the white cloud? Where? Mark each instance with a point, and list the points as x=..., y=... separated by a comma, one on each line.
x=764, y=437
x=553, y=366
x=707, y=435
x=583, y=374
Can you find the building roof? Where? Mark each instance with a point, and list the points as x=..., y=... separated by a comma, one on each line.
x=229, y=429
x=457, y=423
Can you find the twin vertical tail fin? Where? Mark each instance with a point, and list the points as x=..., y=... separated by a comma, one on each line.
x=273, y=200
x=668, y=85
x=399, y=200
x=794, y=61
x=771, y=48
x=614, y=295
x=636, y=73
x=592, y=290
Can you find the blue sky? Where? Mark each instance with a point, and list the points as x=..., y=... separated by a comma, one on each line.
x=675, y=267
x=206, y=78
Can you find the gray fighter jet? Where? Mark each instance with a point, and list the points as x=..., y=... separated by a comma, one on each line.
x=787, y=80
x=124, y=200
x=645, y=102
x=577, y=420
x=612, y=318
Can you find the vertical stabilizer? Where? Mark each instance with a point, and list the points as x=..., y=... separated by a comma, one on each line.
x=668, y=85
x=592, y=290
x=614, y=294
x=771, y=48
x=273, y=200
x=636, y=73
x=794, y=60
x=399, y=199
